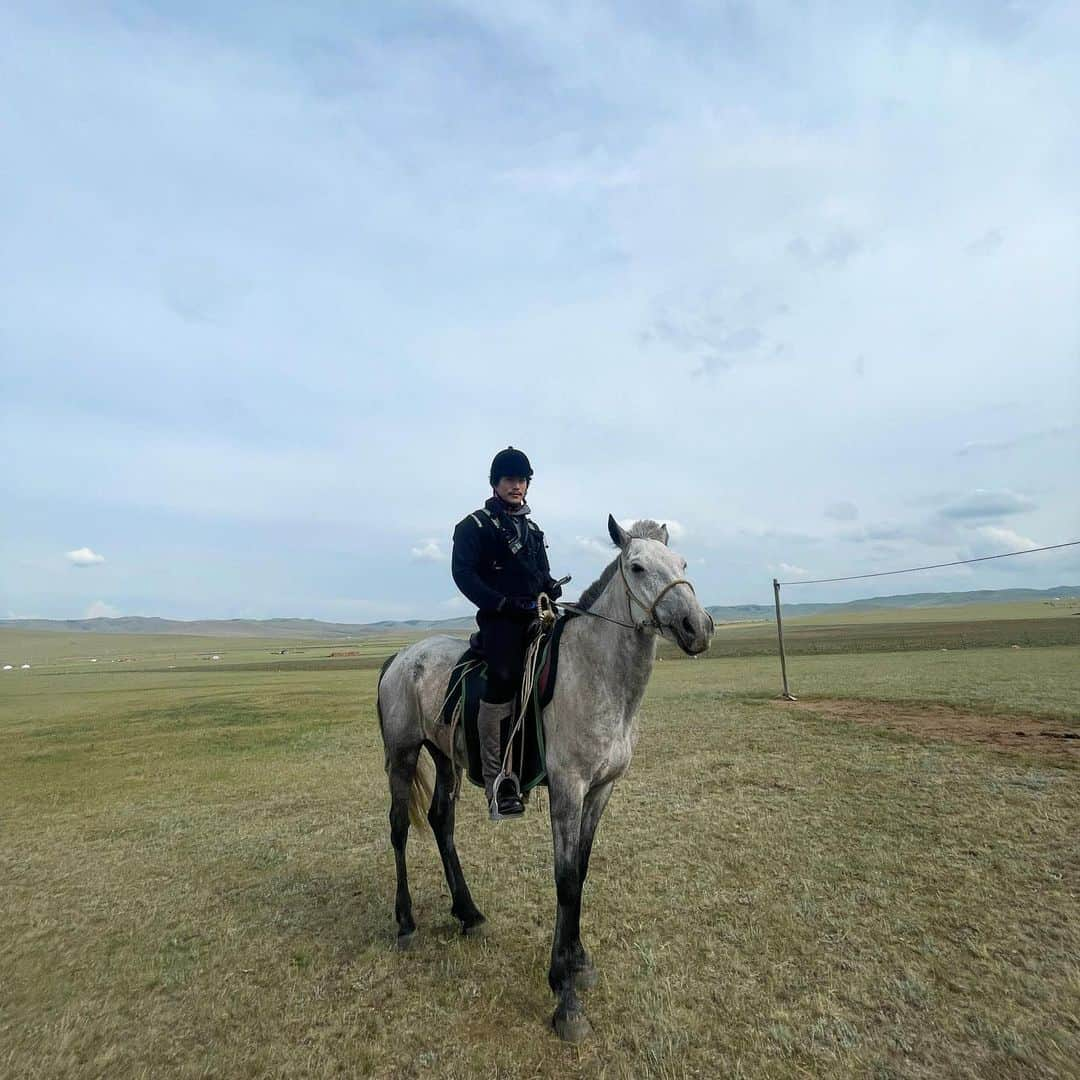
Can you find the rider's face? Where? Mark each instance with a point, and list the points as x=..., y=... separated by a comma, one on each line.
x=511, y=489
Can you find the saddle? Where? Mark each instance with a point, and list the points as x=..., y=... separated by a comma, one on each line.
x=468, y=681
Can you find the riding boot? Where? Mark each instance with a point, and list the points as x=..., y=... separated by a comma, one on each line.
x=507, y=801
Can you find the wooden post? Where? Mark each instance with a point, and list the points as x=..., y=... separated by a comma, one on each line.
x=787, y=694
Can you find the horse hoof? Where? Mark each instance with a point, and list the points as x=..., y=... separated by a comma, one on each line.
x=573, y=1028
x=476, y=929
x=405, y=941
x=586, y=978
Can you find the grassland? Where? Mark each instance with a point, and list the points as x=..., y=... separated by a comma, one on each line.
x=977, y=626
x=196, y=878
x=66, y=653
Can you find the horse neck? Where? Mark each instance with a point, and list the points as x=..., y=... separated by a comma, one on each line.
x=623, y=658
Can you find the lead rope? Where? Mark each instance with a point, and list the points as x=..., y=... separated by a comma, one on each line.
x=528, y=681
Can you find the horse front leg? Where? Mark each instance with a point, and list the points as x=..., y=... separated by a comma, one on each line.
x=569, y=1020
x=585, y=977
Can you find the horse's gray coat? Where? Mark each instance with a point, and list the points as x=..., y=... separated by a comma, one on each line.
x=589, y=729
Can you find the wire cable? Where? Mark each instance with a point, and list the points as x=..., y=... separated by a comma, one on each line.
x=932, y=566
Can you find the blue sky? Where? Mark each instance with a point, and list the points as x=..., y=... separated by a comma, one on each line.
x=276, y=284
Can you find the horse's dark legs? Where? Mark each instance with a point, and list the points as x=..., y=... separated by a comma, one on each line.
x=402, y=767
x=569, y=1020
x=441, y=817
x=595, y=801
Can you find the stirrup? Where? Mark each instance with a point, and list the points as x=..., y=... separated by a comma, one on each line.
x=493, y=806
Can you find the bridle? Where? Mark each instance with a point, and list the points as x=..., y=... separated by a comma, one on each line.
x=631, y=599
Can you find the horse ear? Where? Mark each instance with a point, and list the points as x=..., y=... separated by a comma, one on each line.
x=664, y=533
x=617, y=533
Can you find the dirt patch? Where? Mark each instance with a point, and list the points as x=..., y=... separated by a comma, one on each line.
x=1059, y=738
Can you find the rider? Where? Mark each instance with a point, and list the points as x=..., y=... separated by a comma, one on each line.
x=500, y=563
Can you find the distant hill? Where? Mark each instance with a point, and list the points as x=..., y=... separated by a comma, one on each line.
x=261, y=628
x=313, y=628
x=741, y=613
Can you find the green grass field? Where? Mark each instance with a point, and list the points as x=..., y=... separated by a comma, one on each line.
x=196, y=877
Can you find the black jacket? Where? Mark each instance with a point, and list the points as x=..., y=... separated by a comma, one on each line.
x=484, y=567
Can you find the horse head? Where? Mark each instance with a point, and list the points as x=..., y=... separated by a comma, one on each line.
x=658, y=592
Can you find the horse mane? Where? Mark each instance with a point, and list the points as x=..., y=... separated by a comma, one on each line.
x=646, y=529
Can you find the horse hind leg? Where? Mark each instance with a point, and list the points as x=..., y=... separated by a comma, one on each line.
x=401, y=768
x=441, y=818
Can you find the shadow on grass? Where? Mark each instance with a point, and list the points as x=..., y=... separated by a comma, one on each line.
x=339, y=914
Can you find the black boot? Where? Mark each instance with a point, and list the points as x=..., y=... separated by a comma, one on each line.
x=506, y=802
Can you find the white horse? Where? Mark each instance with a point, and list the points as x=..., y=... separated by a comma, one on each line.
x=606, y=657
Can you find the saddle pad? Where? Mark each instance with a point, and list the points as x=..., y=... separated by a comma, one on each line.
x=468, y=681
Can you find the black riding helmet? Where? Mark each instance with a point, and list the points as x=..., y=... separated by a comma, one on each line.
x=509, y=462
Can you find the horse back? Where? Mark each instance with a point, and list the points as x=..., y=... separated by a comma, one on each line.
x=412, y=685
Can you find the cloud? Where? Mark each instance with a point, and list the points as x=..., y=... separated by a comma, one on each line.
x=998, y=540
x=428, y=551
x=717, y=346
x=843, y=510
x=570, y=177
x=986, y=244
x=1027, y=439
x=722, y=329
x=983, y=503
x=835, y=248
x=100, y=610
x=597, y=549
x=84, y=557
x=788, y=570
x=198, y=290
x=771, y=534
x=876, y=532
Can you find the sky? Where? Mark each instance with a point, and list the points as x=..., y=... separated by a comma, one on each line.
x=278, y=280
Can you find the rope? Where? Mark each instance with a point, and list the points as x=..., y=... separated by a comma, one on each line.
x=528, y=679
x=932, y=566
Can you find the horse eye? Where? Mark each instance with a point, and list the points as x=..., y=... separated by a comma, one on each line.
x=637, y=568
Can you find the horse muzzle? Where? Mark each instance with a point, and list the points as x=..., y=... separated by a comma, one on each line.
x=693, y=631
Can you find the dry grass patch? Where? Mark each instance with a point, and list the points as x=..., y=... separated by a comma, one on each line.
x=1004, y=731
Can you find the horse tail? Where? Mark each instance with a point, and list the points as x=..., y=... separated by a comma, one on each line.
x=378, y=686
x=422, y=790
